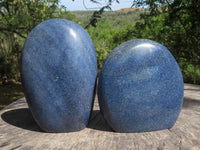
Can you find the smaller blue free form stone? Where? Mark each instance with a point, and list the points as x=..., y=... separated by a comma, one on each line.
x=140, y=87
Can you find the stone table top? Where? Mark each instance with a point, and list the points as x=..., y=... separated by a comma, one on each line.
x=19, y=131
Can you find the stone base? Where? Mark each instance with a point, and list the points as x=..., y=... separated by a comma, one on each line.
x=18, y=130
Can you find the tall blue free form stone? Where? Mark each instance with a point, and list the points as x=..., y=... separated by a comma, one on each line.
x=140, y=87
x=59, y=69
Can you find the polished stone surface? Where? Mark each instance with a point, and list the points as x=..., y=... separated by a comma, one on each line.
x=140, y=87
x=59, y=69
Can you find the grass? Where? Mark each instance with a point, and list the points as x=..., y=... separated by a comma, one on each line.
x=10, y=93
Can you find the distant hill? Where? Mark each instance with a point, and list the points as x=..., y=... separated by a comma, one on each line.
x=126, y=10
x=122, y=16
x=83, y=16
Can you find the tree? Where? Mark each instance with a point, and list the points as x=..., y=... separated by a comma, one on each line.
x=20, y=16
x=97, y=14
x=175, y=24
x=172, y=22
x=180, y=23
x=17, y=19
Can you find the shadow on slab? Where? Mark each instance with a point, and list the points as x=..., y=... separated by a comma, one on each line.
x=97, y=122
x=190, y=89
x=21, y=118
x=189, y=103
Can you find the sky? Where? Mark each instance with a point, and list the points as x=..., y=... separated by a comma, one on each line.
x=79, y=4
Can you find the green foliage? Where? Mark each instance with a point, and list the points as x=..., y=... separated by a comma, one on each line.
x=175, y=24
x=113, y=28
x=191, y=72
x=116, y=27
x=17, y=19
x=20, y=16
x=106, y=38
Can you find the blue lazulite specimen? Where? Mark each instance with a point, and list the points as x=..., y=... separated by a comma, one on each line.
x=59, y=69
x=140, y=87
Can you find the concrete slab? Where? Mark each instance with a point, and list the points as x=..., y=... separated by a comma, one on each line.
x=18, y=130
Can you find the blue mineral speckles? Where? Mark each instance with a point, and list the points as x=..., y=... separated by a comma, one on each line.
x=59, y=69
x=140, y=87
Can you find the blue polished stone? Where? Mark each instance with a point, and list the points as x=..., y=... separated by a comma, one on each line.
x=59, y=69
x=140, y=87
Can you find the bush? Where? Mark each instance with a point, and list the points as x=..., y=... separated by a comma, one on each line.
x=106, y=38
x=17, y=19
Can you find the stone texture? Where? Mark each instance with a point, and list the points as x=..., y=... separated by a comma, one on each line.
x=59, y=69
x=19, y=131
x=140, y=87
